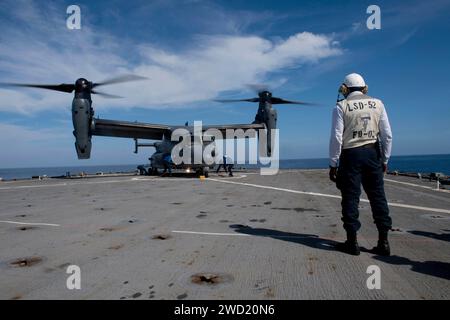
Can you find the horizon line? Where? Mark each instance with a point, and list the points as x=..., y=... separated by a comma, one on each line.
x=132, y=164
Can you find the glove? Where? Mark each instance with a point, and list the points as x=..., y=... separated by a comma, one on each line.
x=385, y=167
x=333, y=174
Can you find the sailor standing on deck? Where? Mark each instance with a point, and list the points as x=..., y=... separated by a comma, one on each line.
x=227, y=164
x=360, y=145
x=167, y=163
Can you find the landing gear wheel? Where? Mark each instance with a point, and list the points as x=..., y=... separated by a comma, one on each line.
x=203, y=172
x=143, y=171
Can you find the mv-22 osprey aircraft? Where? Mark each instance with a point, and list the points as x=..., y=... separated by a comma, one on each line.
x=86, y=126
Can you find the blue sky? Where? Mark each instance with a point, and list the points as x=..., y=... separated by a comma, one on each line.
x=195, y=51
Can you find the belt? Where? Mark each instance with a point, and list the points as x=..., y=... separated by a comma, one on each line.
x=369, y=145
x=366, y=146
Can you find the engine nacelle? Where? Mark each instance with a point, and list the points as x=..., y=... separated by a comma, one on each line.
x=271, y=123
x=82, y=121
x=267, y=115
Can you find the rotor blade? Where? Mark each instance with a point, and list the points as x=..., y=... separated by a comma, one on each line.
x=60, y=87
x=106, y=95
x=124, y=78
x=239, y=100
x=275, y=100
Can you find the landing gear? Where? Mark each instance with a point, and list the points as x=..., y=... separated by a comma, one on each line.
x=147, y=172
x=203, y=172
x=142, y=171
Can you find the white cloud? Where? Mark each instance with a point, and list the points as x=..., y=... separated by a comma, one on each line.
x=44, y=51
x=224, y=63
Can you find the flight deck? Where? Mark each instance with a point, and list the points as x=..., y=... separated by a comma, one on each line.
x=242, y=237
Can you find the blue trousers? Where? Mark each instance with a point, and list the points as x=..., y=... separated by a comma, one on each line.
x=362, y=165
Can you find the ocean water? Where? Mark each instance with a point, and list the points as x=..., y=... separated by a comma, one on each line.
x=423, y=164
x=413, y=164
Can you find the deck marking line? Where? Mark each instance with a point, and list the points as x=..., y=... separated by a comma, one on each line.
x=330, y=196
x=134, y=179
x=212, y=233
x=326, y=241
x=235, y=234
x=31, y=223
x=38, y=186
x=93, y=182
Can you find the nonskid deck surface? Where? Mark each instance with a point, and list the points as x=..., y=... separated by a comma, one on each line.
x=242, y=237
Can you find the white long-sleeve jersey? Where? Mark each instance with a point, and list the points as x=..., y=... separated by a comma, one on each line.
x=356, y=138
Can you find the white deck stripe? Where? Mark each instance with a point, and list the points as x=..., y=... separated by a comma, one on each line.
x=213, y=233
x=38, y=186
x=280, y=189
x=409, y=206
x=237, y=234
x=31, y=223
x=90, y=182
x=330, y=196
x=134, y=179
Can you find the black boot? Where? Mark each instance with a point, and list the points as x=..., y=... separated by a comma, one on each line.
x=382, y=248
x=350, y=246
